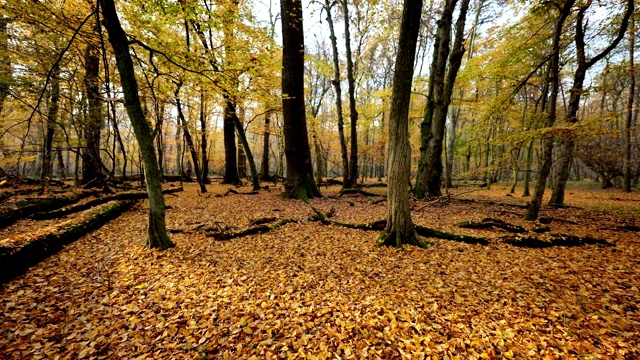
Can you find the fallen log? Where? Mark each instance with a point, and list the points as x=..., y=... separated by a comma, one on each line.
x=28, y=207
x=232, y=191
x=15, y=260
x=491, y=223
x=95, y=202
x=555, y=240
x=374, y=185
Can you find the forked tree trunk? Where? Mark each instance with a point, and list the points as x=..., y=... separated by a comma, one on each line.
x=189, y=140
x=300, y=183
x=554, y=70
x=157, y=233
x=400, y=229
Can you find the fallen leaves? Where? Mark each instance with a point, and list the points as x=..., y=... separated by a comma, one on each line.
x=305, y=290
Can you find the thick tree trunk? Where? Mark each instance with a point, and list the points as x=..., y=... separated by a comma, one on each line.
x=91, y=162
x=353, y=112
x=346, y=184
x=52, y=120
x=400, y=229
x=300, y=183
x=553, y=80
x=157, y=234
x=230, y=150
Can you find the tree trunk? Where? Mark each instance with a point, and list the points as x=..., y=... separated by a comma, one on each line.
x=554, y=70
x=91, y=162
x=6, y=75
x=629, y=118
x=52, y=120
x=346, y=184
x=400, y=229
x=430, y=142
x=265, y=148
x=157, y=234
x=353, y=112
x=300, y=183
x=203, y=141
x=189, y=140
x=247, y=151
x=230, y=150
x=568, y=143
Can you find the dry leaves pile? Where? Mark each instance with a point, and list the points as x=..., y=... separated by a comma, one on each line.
x=306, y=290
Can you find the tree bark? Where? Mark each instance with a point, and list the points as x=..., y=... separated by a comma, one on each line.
x=91, y=162
x=157, y=233
x=203, y=140
x=338, y=89
x=629, y=117
x=568, y=141
x=6, y=75
x=242, y=136
x=399, y=229
x=52, y=120
x=554, y=70
x=189, y=140
x=264, y=167
x=430, y=142
x=230, y=149
x=353, y=111
x=300, y=183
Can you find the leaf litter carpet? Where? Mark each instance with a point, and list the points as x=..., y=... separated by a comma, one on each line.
x=307, y=291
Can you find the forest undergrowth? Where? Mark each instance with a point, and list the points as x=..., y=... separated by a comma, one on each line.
x=308, y=290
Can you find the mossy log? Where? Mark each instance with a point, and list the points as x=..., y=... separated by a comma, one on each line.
x=491, y=223
x=15, y=261
x=28, y=207
x=555, y=240
x=95, y=202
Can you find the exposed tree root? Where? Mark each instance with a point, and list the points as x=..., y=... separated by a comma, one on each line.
x=420, y=230
x=232, y=191
x=374, y=185
x=15, y=261
x=358, y=191
x=95, y=202
x=225, y=234
x=373, y=202
x=556, y=240
x=490, y=223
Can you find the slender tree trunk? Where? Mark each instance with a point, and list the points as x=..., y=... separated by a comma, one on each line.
x=554, y=70
x=249, y=155
x=189, y=140
x=346, y=180
x=300, y=183
x=157, y=234
x=52, y=119
x=203, y=140
x=178, y=140
x=400, y=229
x=6, y=76
x=353, y=111
x=629, y=118
x=265, y=148
x=61, y=166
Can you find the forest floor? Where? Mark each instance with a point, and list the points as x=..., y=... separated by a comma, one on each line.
x=308, y=290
